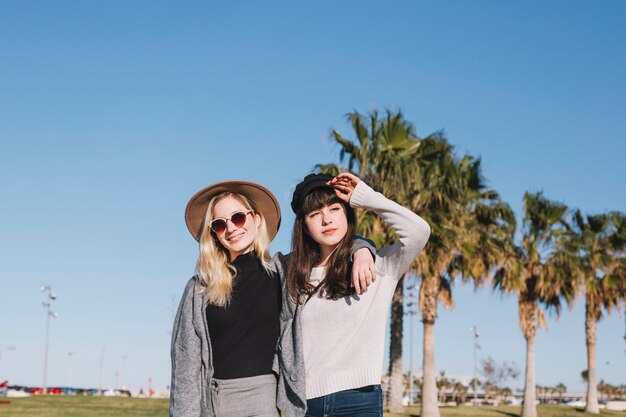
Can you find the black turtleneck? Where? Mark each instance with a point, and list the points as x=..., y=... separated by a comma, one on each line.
x=244, y=333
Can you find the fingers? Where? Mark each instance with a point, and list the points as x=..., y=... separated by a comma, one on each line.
x=359, y=281
x=356, y=282
x=343, y=188
x=363, y=270
x=343, y=196
x=367, y=277
x=345, y=179
x=338, y=182
x=343, y=191
x=363, y=277
x=346, y=176
x=344, y=185
x=363, y=281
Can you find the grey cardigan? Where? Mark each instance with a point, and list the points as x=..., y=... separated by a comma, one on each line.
x=192, y=361
x=289, y=361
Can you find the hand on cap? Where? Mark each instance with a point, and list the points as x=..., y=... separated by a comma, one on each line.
x=344, y=185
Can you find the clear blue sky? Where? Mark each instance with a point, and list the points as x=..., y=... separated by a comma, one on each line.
x=112, y=114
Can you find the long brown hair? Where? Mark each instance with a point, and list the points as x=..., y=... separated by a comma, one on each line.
x=305, y=252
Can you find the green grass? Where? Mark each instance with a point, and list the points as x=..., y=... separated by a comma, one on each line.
x=80, y=406
x=507, y=411
x=139, y=407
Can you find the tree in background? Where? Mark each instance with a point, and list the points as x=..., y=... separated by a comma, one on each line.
x=584, y=375
x=467, y=219
x=469, y=225
x=561, y=389
x=443, y=385
x=384, y=155
x=496, y=375
x=461, y=390
x=605, y=390
x=595, y=253
x=532, y=272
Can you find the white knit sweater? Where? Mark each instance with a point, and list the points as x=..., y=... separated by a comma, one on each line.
x=344, y=340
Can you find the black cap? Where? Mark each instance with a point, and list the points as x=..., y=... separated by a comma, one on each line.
x=308, y=184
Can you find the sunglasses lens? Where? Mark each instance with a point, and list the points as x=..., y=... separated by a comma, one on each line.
x=238, y=219
x=218, y=226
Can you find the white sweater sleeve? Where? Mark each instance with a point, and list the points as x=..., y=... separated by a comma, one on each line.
x=412, y=230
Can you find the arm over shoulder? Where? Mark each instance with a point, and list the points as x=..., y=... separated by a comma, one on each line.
x=361, y=242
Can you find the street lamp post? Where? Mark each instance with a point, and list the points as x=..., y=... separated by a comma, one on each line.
x=474, y=330
x=411, y=312
x=49, y=313
x=122, y=371
x=100, y=375
x=10, y=350
x=69, y=379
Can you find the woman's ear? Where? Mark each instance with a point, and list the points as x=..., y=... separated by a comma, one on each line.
x=257, y=220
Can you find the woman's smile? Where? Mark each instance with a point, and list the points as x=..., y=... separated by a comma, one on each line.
x=235, y=238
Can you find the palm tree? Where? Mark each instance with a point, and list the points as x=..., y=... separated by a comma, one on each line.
x=505, y=393
x=605, y=390
x=382, y=151
x=457, y=388
x=443, y=383
x=596, y=248
x=584, y=375
x=462, y=391
x=474, y=383
x=468, y=223
x=561, y=389
x=533, y=271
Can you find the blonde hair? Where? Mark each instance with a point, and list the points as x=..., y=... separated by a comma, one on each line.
x=214, y=268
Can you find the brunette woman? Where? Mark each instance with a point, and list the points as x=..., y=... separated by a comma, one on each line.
x=332, y=336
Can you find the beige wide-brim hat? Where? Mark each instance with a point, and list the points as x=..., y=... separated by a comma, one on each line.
x=263, y=199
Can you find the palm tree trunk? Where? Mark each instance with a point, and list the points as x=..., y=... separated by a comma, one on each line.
x=396, y=373
x=430, y=408
x=529, y=409
x=590, y=334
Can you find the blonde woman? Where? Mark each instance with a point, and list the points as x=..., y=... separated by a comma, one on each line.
x=227, y=325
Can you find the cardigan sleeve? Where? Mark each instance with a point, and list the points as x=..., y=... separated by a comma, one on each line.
x=412, y=230
x=359, y=243
x=186, y=386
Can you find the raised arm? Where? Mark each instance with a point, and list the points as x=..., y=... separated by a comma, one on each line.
x=412, y=230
